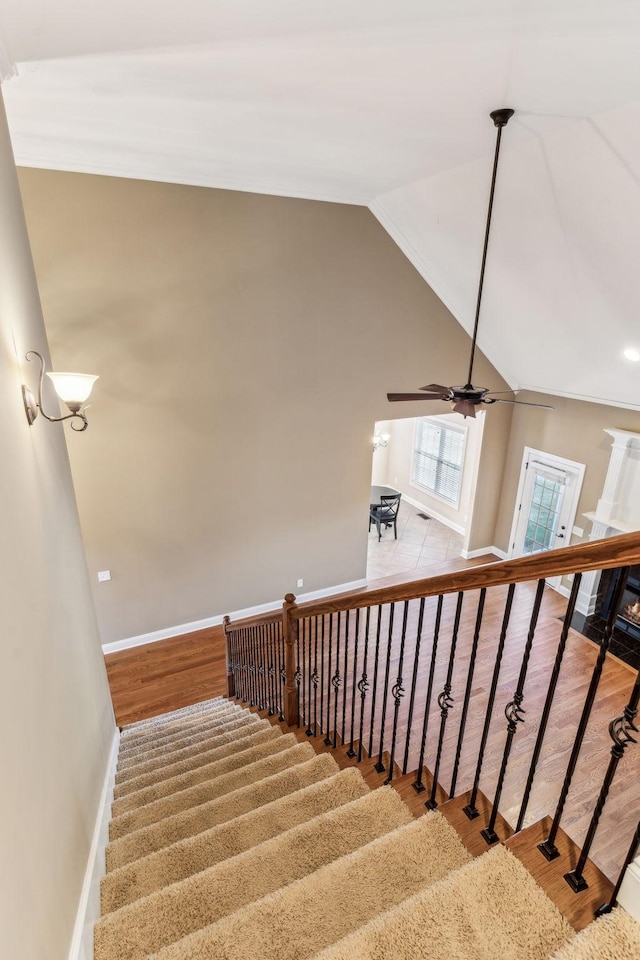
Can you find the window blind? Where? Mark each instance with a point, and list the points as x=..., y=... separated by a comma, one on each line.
x=437, y=458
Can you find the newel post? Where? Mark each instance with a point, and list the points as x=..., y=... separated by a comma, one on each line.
x=231, y=690
x=290, y=691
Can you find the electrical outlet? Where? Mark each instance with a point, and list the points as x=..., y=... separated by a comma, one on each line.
x=104, y=575
x=300, y=582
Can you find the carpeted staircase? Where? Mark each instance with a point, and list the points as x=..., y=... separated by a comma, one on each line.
x=230, y=839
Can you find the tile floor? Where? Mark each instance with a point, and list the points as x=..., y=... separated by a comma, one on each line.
x=420, y=543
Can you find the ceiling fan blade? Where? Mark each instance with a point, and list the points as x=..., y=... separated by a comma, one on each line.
x=436, y=388
x=465, y=407
x=524, y=403
x=414, y=396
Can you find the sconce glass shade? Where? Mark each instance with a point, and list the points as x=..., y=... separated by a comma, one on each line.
x=73, y=388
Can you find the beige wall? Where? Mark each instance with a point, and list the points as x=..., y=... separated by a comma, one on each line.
x=245, y=345
x=574, y=430
x=57, y=723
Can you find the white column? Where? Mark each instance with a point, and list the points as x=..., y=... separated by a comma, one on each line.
x=608, y=504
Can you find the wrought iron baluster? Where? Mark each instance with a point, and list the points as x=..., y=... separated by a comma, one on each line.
x=262, y=668
x=414, y=678
x=345, y=675
x=351, y=752
x=397, y=692
x=314, y=681
x=363, y=683
x=282, y=670
x=328, y=738
x=445, y=702
x=471, y=810
x=273, y=708
x=553, y=682
x=322, y=676
x=613, y=899
x=514, y=714
x=243, y=666
x=620, y=731
x=336, y=681
x=419, y=786
x=375, y=680
x=379, y=766
x=548, y=847
x=467, y=692
x=309, y=675
x=297, y=676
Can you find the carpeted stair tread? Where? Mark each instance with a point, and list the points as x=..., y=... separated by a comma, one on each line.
x=160, y=750
x=164, y=721
x=210, y=771
x=299, y=920
x=166, y=736
x=304, y=770
x=199, y=706
x=175, y=911
x=200, y=758
x=194, y=854
x=210, y=789
x=615, y=936
x=491, y=908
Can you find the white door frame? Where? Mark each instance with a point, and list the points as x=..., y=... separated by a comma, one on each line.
x=558, y=463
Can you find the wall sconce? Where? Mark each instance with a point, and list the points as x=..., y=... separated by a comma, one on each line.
x=72, y=388
x=381, y=440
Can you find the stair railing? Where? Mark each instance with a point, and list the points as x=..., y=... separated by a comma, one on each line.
x=342, y=663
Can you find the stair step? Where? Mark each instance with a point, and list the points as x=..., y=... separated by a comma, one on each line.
x=187, y=857
x=615, y=936
x=200, y=758
x=145, y=728
x=489, y=908
x=298, y=920
x=302, y=770
x=175, y=911
x=201, y=705
x=173, y=732
x=164, y=788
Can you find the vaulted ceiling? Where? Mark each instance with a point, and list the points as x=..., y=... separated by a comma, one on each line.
x=383, y=104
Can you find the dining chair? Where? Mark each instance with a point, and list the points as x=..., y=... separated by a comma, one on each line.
x=385, y=513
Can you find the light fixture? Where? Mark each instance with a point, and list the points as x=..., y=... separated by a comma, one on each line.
x=381, y=440
x=632, y=354
x=72, y=388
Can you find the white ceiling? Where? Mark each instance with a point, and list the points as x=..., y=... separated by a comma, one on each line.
x=383, y=104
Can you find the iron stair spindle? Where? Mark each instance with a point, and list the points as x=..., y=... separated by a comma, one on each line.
x=467, y=692
x=245, y=665
x=336, y=681
x=548, y=847
x=309, y=730
x=414, y=678
x=297, y=676
x=418, y=785
x=513, y=712
x=345, y=675
x=445, y=702
x=281, y=671
x=314, y=679
x=553, y=682
x=253, y=668
x=363, y=683
x=262, y=669
x=397, y=692
x=374, y=688
x=328, y=740
x=351, y=753
x=620, y=731
x=322, y=676
x=272, y=670
x=613, y=899
x=379, y=766
x=471, y=810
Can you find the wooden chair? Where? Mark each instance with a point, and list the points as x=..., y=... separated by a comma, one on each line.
x=385, y=512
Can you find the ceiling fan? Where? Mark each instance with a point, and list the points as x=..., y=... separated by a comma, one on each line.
x=466, y=398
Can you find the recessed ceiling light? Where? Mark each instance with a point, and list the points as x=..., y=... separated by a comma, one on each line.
x=632, y=354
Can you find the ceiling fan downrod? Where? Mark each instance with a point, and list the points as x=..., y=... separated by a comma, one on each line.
x=500, y=118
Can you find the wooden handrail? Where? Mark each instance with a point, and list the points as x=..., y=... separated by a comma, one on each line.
x=608, y=553
x=272, y=616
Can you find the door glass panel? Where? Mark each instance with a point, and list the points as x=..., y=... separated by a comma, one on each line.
x=543, y=516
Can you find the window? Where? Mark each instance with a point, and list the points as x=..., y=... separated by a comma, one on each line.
x=437, y=458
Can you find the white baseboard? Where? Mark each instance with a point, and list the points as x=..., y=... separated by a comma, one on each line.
x=89, y=904
x=215, y=621
x=629, y=896
x=472, y=554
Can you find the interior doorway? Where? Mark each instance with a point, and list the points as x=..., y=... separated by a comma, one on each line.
x=546, y=504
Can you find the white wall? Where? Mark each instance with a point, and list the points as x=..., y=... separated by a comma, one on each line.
x=55, y=710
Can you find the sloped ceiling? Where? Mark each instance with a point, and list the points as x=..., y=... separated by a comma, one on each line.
x=384, y=105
